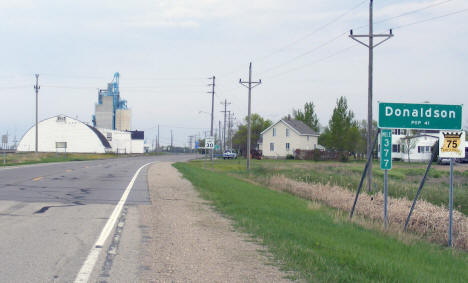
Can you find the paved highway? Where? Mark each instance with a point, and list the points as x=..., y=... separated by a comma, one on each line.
x=51, y=215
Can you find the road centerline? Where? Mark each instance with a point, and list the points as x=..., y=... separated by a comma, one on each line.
x=88, y=266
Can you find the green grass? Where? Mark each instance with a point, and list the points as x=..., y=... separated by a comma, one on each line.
x=404, y=178
x=318, y=243
x=33, y=158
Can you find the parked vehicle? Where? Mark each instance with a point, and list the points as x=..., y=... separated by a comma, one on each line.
x=229, y=154
x=443, y=160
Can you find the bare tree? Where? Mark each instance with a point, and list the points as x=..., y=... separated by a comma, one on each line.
x=407, y=144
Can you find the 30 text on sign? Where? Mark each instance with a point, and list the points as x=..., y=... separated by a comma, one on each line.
x=209, y=142
x=420, y=116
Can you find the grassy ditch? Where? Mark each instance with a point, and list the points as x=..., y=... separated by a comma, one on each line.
x=319, y=242
x=14, y=159
x=404, y=178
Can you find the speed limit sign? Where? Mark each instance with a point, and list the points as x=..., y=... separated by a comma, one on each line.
x=209, y=142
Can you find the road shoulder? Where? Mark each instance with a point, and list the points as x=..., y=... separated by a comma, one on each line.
x=186, y=240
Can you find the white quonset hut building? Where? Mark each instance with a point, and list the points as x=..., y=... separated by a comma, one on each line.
x=64, y=134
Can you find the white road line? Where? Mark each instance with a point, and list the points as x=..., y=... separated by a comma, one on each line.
x=88, y=265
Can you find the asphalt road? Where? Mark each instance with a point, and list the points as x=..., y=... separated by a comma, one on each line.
x=52, y=214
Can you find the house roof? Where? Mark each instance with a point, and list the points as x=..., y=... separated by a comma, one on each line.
x=300, y=127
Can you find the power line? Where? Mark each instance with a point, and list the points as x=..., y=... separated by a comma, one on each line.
x=406, y=13
x=313, y=32
x=314, y=62
x=304, y=54
x=431, y=19
x=413, y=11
x=286, y=46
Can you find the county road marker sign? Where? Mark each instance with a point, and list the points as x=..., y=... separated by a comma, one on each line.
x=386, y=149
x=452, y=144
x=420, y=116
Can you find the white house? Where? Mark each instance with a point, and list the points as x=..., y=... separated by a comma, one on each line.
x=64, y=134
x=420, y=147
x=285, y=136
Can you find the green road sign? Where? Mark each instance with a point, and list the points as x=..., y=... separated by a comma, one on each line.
x=420, y=116
x=386, y=149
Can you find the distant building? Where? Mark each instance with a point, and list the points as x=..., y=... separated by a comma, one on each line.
x=285, y=136
x=64, y=134
x=111, y=112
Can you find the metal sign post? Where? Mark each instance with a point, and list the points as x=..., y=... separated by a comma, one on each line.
x=386, y=164
x=450, y=204
x=451, y=145
x=210, y=144
x=4, y=147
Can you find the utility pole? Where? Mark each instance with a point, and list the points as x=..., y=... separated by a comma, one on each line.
x=249, y=85
x=219, y=133
x=224, y=128
x=371, y=47
x=231, y=124
x=37, y=87
x=157, y=146
x=172, y=139
x=212, y=109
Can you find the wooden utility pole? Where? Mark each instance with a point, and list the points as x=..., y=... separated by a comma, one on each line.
x=371, y=47
x=249, y=84
x=224, y=127
x=172, y=140
x=212, y=110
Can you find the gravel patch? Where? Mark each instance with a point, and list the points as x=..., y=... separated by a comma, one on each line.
x=190, y=242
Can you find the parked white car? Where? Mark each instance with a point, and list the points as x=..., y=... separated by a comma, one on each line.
x=229, y=154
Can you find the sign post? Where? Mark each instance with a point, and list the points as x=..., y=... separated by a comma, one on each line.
x=210, y=144
x=451, y=145
x=4, y=146
x=386, y=164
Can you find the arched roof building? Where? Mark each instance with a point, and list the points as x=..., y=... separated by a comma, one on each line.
x=62, y=133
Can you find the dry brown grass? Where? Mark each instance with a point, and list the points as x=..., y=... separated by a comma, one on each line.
x=428, y=220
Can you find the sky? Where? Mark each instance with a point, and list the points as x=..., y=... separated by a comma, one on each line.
x=166, y=51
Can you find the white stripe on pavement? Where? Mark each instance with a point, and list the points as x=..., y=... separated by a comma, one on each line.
x=88, y=265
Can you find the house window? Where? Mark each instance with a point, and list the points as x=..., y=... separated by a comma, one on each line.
x=287, y=132
x=272, y=146
x=396, y=148
x=109, y=136
x=274, y=132
x=287, y=146
x=399, y=132
x=424, y=149
x=308, y=138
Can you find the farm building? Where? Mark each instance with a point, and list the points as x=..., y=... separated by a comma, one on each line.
x=64, y=134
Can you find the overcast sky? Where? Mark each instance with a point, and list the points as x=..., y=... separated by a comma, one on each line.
x=166, y=50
